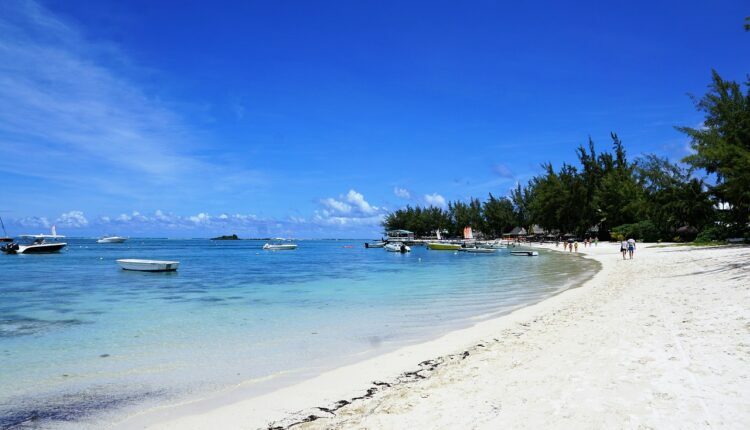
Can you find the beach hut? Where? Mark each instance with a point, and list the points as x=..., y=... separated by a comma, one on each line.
x=400, y=235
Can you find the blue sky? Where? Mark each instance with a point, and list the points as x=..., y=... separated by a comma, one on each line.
x=313, y=119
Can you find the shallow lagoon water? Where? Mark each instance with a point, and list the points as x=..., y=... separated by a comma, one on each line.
x=81, y=339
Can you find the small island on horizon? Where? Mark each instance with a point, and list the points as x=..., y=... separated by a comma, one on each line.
x=225, y=237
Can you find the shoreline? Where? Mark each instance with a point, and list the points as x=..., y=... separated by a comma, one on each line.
x=344, y=396
x=285, y=405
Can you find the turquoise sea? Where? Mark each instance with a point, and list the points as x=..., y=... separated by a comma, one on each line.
x=83, y=343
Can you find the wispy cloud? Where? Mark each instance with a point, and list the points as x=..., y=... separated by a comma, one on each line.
x=70, y=104
x=502, y=171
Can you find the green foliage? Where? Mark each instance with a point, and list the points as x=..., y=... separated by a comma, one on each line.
x=722, y=145
x=712, y=233
x=644, y=231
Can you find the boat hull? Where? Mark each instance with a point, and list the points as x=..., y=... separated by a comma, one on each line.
x=375, y=245
x=478, y=250
x=443, y=246
x=44, y=248
x=148, y=265
x=524, y=253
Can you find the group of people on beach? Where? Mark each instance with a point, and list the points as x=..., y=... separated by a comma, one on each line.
x=572, y=244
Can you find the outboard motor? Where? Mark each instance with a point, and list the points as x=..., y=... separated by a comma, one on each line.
x=403, y=248
x=10, y=248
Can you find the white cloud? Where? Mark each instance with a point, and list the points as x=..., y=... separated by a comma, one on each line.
x=73, y=219
x=336, y=205
x=402, y=193
x=351, y=209
x=435, y=199
x=358, y=200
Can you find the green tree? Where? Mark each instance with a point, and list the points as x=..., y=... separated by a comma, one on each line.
x=722, y=145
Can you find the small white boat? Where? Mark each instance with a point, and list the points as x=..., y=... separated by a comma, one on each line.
x=148, y=265
x=525, y=253
x=112, y=239
x=374, y=245
x=493, y=245
x=478, y=250
x=397, y=247
x=279, y=246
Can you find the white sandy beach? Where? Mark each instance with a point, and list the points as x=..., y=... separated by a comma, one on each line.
x=662, y=341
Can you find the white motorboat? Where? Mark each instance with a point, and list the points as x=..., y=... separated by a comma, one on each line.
x=493, y=245
x=397, y=247
x=525, y=253
x=39, y=245
x=112, y=239
x=478, y=250
x=148, y=265
x=374, y=245
x=280, y=246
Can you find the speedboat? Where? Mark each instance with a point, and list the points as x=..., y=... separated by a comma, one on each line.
x=280, y=246
x=112, y=239
x=525, y=253
x=397, y=247
x=478, y=250
x=442, y=246
x=374, y=245
x=148, y=265
x=38, y=246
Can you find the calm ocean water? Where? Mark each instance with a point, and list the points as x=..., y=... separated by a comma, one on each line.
x=82, y=342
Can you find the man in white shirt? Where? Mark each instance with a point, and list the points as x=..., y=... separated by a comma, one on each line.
x=631, y=247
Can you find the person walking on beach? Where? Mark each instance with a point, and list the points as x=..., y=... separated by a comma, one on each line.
x=631, y=247
x=575, y=244
x=624, y=248
x=596, y=241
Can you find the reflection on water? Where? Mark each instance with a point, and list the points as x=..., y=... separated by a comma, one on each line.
x=73, y=327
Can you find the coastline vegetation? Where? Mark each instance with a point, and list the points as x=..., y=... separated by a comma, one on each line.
x=705, y=198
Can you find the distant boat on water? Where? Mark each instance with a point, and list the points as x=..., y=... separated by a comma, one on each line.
x=112, y=239
x=397, y=247
x=525, y=253
x=375, y=244
x=478, y=250
x=279, y=246
x=442, y=246
x=5, y=237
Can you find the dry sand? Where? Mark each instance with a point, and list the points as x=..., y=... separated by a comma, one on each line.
x=662, y=341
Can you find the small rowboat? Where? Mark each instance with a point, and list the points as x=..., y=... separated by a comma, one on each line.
x=525, y=253
x=148, y=265
x=478, y=250
x=374, y=245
